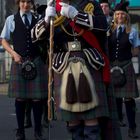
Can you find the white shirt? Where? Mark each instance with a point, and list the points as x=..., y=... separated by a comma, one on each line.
x=133, y=36
x=10, y=25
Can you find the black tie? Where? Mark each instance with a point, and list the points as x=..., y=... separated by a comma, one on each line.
x=120, y=33
x=26, y=21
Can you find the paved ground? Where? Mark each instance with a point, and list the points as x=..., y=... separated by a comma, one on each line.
x=58, y=131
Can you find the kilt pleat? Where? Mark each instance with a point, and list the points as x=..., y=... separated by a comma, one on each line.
x=30, y=89
x=130, y=89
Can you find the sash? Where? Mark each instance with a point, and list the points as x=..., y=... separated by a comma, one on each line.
x=92, y=40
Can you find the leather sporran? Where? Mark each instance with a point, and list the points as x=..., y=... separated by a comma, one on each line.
x=118, y=76
x=28, y=70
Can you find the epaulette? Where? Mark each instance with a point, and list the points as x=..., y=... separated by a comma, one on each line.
x=84, y=19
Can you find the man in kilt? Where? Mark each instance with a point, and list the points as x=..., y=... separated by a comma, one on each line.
x=122, y=40
x=81, y=68
x=28, y=78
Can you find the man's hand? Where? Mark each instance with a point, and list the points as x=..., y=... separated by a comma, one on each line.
x=50, y=11
x=68, y=10
x=16, y=57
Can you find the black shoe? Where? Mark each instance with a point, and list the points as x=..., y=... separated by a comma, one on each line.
x=20, y=135
x=122, y=124
x=38, y=136
x=132, y=133
x=28, y=125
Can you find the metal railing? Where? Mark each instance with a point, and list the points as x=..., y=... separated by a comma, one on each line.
x=5, y=66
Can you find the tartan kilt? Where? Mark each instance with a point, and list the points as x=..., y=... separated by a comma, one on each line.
x=28, y=89
x=110, y=129
x=99, y=111
x=106, y=113
x=130, y=89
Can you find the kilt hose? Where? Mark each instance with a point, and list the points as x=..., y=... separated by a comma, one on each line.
x=130, y=89
x=106, y=111
x=28, y=89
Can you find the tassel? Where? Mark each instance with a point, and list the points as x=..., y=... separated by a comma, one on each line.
x=84, y=91
x=71, y=93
